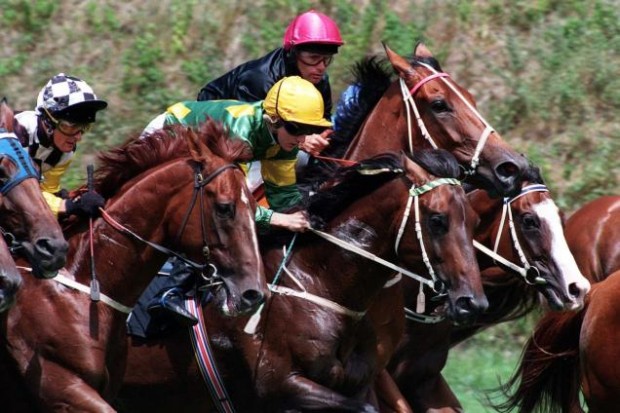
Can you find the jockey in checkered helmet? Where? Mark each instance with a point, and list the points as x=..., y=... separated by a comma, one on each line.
x=70, y=99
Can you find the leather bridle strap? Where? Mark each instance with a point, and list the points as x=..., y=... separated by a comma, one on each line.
x=124, y=230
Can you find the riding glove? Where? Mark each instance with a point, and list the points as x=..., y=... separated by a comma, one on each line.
x=86, y=205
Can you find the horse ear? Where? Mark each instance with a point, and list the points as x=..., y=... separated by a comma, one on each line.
x=400, y=64
x=421, y=51
x=6, y=116
x=197, y=149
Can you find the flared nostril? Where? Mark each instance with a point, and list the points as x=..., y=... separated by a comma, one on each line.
x=251, y=299
x=508, y=170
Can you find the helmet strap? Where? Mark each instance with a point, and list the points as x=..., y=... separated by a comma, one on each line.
x=47, y=123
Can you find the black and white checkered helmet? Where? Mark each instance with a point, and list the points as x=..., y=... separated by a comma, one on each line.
x=69, y=98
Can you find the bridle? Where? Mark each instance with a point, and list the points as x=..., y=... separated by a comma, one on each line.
x=433, y=283
x=199, y=183
x=528, y=272
x=410, y=106
x=12, y=148
x=208, y=270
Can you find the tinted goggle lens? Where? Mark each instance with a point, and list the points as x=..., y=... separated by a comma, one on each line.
x=72, y=129
x=298, y=129
x=313, y=59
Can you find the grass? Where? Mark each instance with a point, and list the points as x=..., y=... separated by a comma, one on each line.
x=481, y=363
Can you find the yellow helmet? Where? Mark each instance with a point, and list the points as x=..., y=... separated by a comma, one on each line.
x=294, y=99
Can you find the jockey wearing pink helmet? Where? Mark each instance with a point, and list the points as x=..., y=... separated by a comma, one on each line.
x=308, y=46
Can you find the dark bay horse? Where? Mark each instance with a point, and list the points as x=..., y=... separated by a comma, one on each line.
x=314, y=349
x=593, y=235
x=422, y=108
x=527, y=232
x=569, y=352
x=169, y=193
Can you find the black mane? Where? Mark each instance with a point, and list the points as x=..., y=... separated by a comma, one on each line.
x=438, y=162
x=373, y=76
x=351, y=183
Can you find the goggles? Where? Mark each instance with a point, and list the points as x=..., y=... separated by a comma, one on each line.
x=314, y=59
x=299, y=129
x=67, y=128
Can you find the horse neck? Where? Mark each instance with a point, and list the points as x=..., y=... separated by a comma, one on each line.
x=125, y=266
x=385, y=129
x=332, y=272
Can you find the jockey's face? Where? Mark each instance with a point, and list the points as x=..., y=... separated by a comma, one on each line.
x=66, y=140
x=312, y=66
x=288, y=141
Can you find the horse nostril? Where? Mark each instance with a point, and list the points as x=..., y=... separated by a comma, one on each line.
x=252, y=298
x=51, y=248
x=576, y=291
x=507, y=170
x=469, y=307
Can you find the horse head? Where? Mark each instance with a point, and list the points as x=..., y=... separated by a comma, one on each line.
x=527, y=229
x=33, y=228
x=192, y=199
x=440, y=228
x=425, y=108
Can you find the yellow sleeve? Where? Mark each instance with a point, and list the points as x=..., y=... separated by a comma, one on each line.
x=50, y=185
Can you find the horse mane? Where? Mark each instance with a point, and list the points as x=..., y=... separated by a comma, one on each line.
x=138, y=154
x=438, y=162
x=372, y=76
x=350, y=184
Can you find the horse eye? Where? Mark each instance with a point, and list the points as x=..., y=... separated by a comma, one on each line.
x=438, y=224
x=225, y=211
x=439, y=106
x=529, y=221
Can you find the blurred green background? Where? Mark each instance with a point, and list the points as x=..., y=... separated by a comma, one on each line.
x=545, y=74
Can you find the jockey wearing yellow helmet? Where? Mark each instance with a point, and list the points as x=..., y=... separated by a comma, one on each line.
x=273, y=128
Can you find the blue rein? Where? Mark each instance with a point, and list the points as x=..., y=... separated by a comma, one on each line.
x=12, y=148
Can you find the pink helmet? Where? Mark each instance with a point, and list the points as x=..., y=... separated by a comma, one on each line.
x=311, y=27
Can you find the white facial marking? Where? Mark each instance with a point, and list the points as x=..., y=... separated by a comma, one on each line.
x=548, y=213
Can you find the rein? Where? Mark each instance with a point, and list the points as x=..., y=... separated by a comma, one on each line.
x=434, y=283
x=199, y=183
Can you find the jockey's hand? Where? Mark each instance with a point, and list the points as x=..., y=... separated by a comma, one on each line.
x=316, y=143
x=85, y=205
x=296, y=222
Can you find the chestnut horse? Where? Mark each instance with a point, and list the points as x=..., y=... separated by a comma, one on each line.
x=166, y=194
x=569, y=352
x=27, y=222
x=425, y=108
x=314, y=349
x=526, y=231
x=593, y=235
